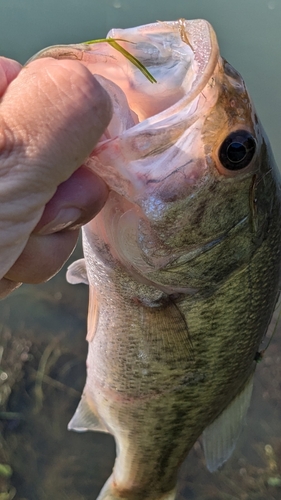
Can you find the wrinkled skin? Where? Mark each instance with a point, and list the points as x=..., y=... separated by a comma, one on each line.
x=183, y=261
x=51, y=115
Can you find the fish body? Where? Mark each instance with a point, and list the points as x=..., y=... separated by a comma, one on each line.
x=183, y=261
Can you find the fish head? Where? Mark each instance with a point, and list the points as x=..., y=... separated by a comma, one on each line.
x=192, y=177
x=186, y=160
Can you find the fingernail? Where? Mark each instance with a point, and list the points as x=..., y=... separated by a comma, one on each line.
x=65, y=218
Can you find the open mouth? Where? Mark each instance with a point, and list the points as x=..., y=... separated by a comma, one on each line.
x=154, y=126
x=180, y=55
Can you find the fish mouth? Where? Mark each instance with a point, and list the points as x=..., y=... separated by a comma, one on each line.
x=150, y=120
x=181, y=56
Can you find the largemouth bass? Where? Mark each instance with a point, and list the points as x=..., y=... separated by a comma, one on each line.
x=183, y=262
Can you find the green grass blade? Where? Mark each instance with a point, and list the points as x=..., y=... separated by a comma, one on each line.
x=114, y=43
x=101, y=40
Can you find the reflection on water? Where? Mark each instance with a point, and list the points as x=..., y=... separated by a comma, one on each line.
x=42, y=329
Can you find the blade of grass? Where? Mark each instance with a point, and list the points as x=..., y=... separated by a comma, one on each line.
x=114, y=43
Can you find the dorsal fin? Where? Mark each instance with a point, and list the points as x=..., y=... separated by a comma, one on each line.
x=85, y=419
x=77, y=273
x=219, y=438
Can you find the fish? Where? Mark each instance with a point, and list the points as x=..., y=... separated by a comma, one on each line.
x=182, y=262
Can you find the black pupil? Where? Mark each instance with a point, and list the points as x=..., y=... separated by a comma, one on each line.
x=237, y=150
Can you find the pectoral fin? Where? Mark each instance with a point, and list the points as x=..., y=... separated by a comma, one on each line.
x=85, y=419
x=219, y=438
x=77, y=273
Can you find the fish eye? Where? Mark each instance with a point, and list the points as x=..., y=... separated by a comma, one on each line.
x=237, y=150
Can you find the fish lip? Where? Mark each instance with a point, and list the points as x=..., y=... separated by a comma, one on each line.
x=57, y=52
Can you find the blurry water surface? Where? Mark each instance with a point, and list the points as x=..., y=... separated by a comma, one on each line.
x=42, y=329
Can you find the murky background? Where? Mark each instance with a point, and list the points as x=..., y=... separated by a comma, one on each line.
x=42, y=328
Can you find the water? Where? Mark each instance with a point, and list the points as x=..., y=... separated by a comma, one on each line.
x=42, y=328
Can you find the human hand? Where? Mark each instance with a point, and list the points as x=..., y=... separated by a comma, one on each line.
x=52, y=114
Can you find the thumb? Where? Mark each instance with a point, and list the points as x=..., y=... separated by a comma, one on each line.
x=51, y=117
